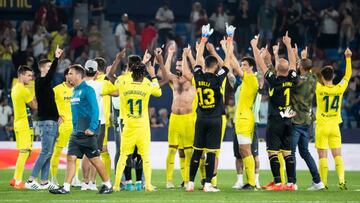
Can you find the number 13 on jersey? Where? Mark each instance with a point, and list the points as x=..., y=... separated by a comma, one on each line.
x=206, y=96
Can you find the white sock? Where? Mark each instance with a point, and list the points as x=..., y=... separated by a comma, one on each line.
x=67, y=187
x=257, y=179
x=107, y=183
x=240, y=178
x=17, y=182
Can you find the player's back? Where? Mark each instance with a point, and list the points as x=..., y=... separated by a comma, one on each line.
x=210, y=90
x=328, y=100
x=134, y=99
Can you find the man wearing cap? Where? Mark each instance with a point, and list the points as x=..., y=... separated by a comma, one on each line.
x=101, y=89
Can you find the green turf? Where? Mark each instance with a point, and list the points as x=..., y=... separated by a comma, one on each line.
x=226, y=179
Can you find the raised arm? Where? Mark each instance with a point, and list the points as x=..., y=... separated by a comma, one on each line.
x=115, y=65
x=348, y=69
x=206, y=32
x=160, y=60
x=276, y=53
x=260, y=64
x=170, y=55
x=291, y=56
x=210, y=47
x=185, y=65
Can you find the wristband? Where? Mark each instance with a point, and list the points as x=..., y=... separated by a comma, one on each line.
x=204, y=39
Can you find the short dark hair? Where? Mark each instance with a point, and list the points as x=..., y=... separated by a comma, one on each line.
x=78, y=68
x=66, y=72
x=22, y=69
x=306, y=64
x=210, y=61
x=101, y=63
x=250, y=60
x=90, y=73
x=327, y=72
x=43, y=62
x=138, y=71
x=133, y=60
x=179, y=58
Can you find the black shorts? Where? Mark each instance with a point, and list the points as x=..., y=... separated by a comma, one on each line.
x=101, y=136
x=81, y=144
x=278, y=134
x=254, y=144
x=208, y=133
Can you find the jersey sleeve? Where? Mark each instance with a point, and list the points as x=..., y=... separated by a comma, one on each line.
x=342, y=85
x=26, y=95
x=155, y=88
x=293, y=76
x=108, y=88
x=222, y=73
x=91, y=97
x=57, y=99
x=270, y=77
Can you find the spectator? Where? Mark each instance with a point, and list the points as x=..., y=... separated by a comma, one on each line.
x=95, y=12
x=164, y=18
x=309, y=22
x=346, y=5
x=242, y=23
x=280, y=21
x=65, y=10
x=7, y=48
x=94, y=41
x=195, y=15
x=52, y=20
x=78, y=44
x=75, y=28
x=230, y=112
x=266, y=22
x=164, y=116
x=126, y=28
x=58, y=38
x=5, y=118
x=148, y=37
x=219, y=18
x=82, y=58
x=40, y=42
x=293, y=21
x=154, y=123
x=203, y=20
x=329, y=33
x=347, y=29
x=24, y=40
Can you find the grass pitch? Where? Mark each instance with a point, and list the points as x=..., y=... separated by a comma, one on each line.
x=226, y=179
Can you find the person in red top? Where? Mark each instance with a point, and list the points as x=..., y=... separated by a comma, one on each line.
x=78, y=44
x=148, y=34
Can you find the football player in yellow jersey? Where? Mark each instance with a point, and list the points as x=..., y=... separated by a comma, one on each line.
x=182, y=120
x=135, y=96
x=63, y=93
x=22, y=98
x=328, y=118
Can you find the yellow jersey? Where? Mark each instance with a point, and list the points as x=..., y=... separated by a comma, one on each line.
x=134, y=100
x=20, y=96
x=248, y=91
x=63, y=94
x=124, y=77
x=30, y=86
x=329, y=99
x=108, y=88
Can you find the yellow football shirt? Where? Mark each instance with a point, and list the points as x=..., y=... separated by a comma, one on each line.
x=63, y=95
x=248, y=91
x=20, y=97
x=134, y=100
x=329, y=99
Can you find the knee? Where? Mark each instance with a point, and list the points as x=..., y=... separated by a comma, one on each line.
x=71, y=159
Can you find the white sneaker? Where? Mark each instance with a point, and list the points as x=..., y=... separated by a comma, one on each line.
x=209, y=188
x=258, y=185
x=190, y=187
x=317, y=186
x=92, y=186
x=54, y=181
x=85, y=186
x=237, y=185
x=170, y=185
x=76, y=182
x=49, y=186
x=33, y=185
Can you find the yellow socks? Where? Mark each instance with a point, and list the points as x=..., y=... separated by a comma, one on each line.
x=20, y=165
x=323, y=170
x=339, y=165
x=202, y=168
x=105, y=157
x=188, y=155
x=170, y=164
x=282, y=168
x=54, y=162
x=249, y=165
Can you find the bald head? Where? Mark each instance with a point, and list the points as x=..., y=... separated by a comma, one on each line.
x=283, y=67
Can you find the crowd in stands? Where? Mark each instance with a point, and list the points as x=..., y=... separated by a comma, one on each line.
x=326, y=32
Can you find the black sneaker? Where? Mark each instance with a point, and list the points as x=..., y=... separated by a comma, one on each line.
x=59, y=191
x=248, y=187
x=202, y=182
x=105, y=190
x=342, y=186
x=182, y=185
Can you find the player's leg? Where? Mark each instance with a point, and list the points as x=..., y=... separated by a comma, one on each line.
x=322, y=144
x=138, y=165
x=143, y=145
x=182, y=161
x=187, y=140
x=282, y=168
x=70, y=171
x=335, y=146
x=296, y=134
x=238, y=164
x=23, y=144
x=288, y=157
x=217, y=154
x=85, y=166
x=255, y=153
x=173, y=140
x=105, y=156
